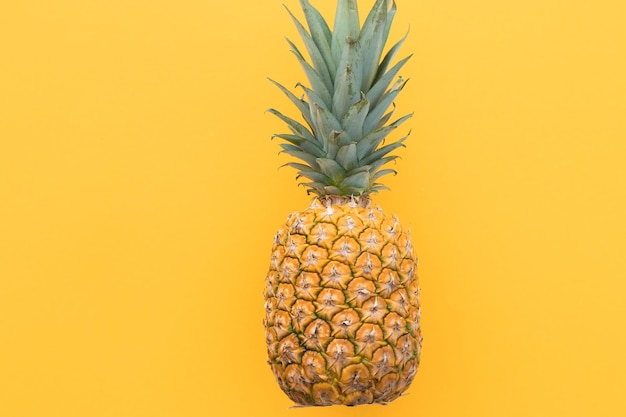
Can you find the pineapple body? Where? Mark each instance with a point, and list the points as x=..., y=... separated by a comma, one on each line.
x=342, y=308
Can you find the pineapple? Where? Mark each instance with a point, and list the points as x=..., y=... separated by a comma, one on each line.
x=341, y=297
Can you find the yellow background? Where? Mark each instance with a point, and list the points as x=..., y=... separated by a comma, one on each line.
x=139, y=193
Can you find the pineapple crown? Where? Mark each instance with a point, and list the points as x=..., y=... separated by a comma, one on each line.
x=342, y=151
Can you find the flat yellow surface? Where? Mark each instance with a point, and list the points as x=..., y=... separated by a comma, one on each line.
x=139, y=194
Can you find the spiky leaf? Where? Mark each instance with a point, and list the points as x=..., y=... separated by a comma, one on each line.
x=317, y=83
x=321, y=34
x=372, y=119
x=314, y=53
x=347, y=157
x=371, y=39
x=346, y=25
x=354, y=118
x=348, y=78
x=331, y=168
x=302, y=105
x=359, y=181
x=381, y=84
x=295, y=126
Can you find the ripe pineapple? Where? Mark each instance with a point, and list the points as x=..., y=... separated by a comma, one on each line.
x=342, y=309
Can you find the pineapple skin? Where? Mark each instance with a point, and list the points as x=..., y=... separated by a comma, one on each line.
x=342, y=305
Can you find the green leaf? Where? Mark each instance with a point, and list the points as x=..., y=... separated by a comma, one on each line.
x=359, y=181
x=320, y=33
x=401, y=120
x=299, y=167
x=295, y=126
x=374, y=116
x=390, y=15
x=317, y=83
x=303, y=156
x=342, y=138
x=371, y=40
x=354, y=191
x=331, y=190
x=313, y=97
x=323, y=121
x=288, y=147
x=383, y=120
x=355, y=117
x=334, y=142
x=302, y=105
x=314, y=53
x=375, y=166
x=313, y=149
x=381, y=84
x=318, y=177
x=307, y=146
x=325, y=124
x=376, y=187
x=348, y=79
x=313, y=187
x=379, y=153
x=376, y=137
x=391, y=54
x=347, y=157
x=331, y=168
x=372, y=140
x=362, y=168
x=294, y=139
x=383, y=172
x=346, y=25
